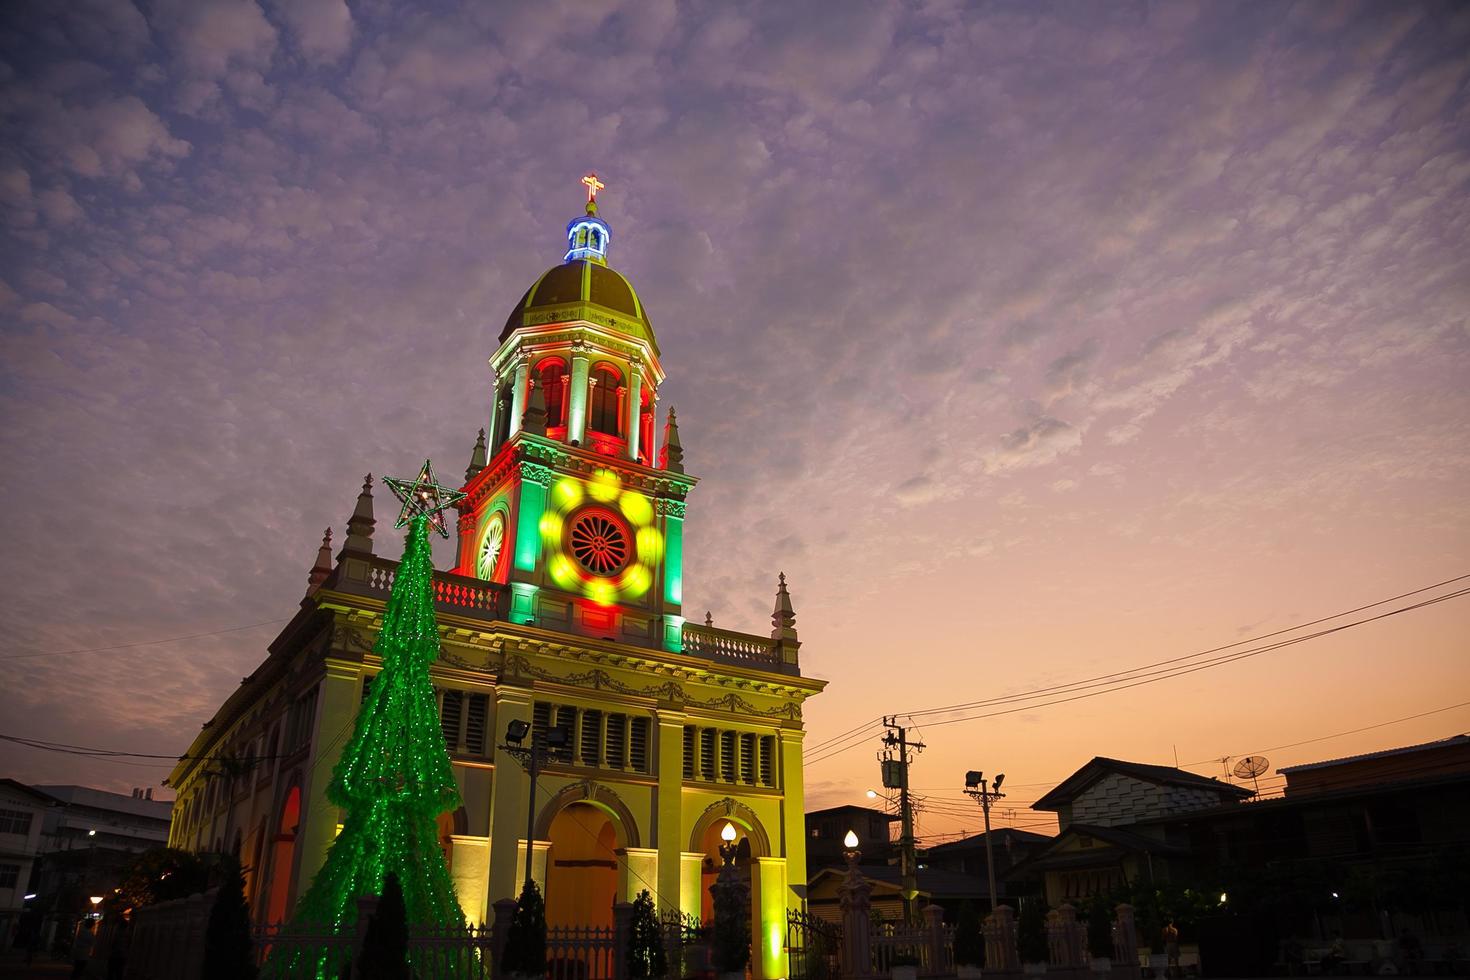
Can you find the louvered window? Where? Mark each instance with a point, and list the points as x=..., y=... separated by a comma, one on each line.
x=768, y=760
x=451, y=712
x=707, y=754
x=617, y=740
x=638, y=744
x=689, y=745
x=591, y=736
x=727, y=756
x=747, y=759
x=474, y=734
x=367, y=688
x=566, y=718
x=540, y=717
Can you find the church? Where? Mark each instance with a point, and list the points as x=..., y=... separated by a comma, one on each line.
x=564, y=612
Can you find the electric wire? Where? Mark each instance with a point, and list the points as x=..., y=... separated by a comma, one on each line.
x=1141, y=676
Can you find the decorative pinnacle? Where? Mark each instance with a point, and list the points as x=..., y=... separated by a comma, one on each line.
x=709, y=619
x=593, y=186
x=783, y=617
x=360, y=525
x=477, y=458
x=323, y=566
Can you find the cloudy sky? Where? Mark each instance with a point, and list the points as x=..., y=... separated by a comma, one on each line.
x=1034, y=342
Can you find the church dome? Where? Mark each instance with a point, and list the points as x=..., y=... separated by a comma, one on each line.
x=582, y=289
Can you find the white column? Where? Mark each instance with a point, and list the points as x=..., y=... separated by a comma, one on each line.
x=635, y=390
x=577, y=403
x=519, y=395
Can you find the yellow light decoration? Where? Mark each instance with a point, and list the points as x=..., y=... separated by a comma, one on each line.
x=636, y=508
x=604, y=486
x=650, y=545
x=567, y=493
x=562, y=572
x=636, y=581
x=567, y=497
x=551, y=528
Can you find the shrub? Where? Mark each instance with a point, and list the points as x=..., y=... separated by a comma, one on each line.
x=227, y=954
x=525, y=943
x=646, y=944
x=1100, y=926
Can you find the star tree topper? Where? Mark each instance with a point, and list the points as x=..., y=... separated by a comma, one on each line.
x=424, y=497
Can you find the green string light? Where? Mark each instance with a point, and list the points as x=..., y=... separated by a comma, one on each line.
x=394, y=779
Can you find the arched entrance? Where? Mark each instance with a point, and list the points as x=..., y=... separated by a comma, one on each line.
x=283, y=853
x=581, y=867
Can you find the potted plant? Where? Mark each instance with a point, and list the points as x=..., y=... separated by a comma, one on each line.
x=1100, y=933
x=905, y=966
x=646, y=960
x=525, y=941
x=1031, y=937
x=969, y=943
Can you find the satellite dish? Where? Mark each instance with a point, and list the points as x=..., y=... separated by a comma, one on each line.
x=1251, y=768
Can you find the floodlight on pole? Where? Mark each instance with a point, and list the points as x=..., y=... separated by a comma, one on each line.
x=96, y=900
x=516, y=731
x=975, y=786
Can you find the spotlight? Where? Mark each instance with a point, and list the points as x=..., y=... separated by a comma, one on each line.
x=516, y=731
x=998, y=780
x=973, y=778
x=559, y=737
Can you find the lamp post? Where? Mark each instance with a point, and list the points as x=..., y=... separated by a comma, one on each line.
x=976, y=786
x=532, y=758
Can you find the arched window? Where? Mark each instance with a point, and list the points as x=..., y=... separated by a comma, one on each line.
x=506, y=397
x=551, y=378
x=602, y=413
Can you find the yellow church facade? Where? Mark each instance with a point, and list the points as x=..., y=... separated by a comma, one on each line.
x=564, y=610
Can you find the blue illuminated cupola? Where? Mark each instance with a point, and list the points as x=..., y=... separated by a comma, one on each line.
x=588, y=235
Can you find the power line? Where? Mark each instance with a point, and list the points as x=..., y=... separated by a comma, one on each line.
x=144, y=643
x=1354, y=731
x=1141, y=675
x=1139, y=671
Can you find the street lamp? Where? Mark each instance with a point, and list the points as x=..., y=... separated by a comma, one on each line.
x=728, y=850
x=543, y=743
x=976, y=786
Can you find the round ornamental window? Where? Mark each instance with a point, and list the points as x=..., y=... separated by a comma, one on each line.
x=491, y=545
x=599, y=542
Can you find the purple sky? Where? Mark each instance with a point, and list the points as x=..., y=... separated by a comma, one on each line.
x=1032, y=341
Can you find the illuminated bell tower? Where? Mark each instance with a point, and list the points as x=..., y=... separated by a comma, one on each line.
x=567, y=502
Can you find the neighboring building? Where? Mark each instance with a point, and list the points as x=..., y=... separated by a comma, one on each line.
x=1010, y=846
x=1099, y=848
x=22, y=812
x=89, y=817
x=564, y=608
x=1449, y=756
x=826, y=829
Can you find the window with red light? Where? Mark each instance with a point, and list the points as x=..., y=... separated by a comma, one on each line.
x=603, y=401
x=551, y=378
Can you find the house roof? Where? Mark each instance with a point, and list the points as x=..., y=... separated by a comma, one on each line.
x=1001, y=836
x=1443, y=743
x=1114, y=839
x=1074, y=785
x=40, y=795
x=852, y=808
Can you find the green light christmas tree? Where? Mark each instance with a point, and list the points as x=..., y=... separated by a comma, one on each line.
x=394, y=777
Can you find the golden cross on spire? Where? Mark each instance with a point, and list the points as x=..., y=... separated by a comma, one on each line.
x=593, y=186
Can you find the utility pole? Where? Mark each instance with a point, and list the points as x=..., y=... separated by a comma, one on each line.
x=976, y=786
x=896, y=776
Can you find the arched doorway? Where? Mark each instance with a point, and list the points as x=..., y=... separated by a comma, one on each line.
x=283, y=853
x=581, y=867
